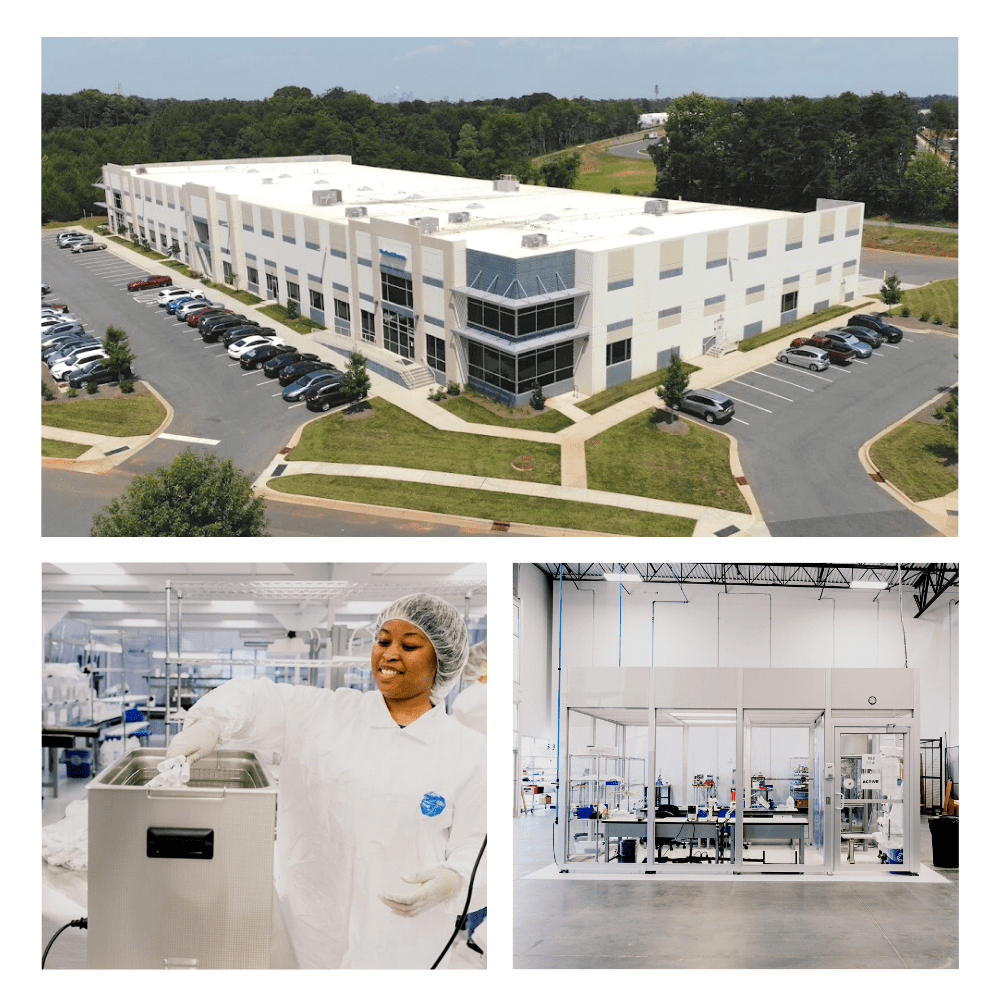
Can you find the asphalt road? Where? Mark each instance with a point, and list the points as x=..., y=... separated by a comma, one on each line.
x=911, y=268
x=799, y=433
x=634, y=150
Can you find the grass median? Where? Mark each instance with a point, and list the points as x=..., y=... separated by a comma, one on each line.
x=608, y=397
x=62, y=449
x=915, y=458
x=638, y=458
x=475, y=409
x=487, y=505
x=129, y=416
x=388, y=435
x=938, y=300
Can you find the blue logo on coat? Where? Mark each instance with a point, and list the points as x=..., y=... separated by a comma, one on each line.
x=432, y=804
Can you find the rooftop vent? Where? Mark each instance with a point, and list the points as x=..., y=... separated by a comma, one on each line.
x=458, y=216
x=253, y=170
x=267, y=180
x=655, y=207
x=414, y=196
x=425, y=223
x=140, y=170
x=230, y=167
x=534, y=240
x=474, y=204
x=321, y=180
x=548, y=218
x=329, y=196
x=282, y=177
x=364, y=187
x=505, y=182
x=641, y=231
x=355, y=211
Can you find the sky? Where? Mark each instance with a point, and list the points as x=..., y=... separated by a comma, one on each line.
x=451, y=68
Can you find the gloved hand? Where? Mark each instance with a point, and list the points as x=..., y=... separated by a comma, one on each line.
x=195, y=740
x=433, y=886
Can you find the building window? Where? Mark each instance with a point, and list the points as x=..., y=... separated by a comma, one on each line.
x=368, y=326
x=518, y=374
x=293, y=290
x=267, y=232
x=118, y=200
x=227, y=272
x=252, y=275
x=316, y=299
x=789, y=301
x=397, y=333
x=272, y=285
x=490, y=316
x=435, y=353
x=615, y=354
x=142, y=232
x=397, y=290
x=342, y=317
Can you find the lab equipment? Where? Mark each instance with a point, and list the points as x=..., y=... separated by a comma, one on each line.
x=185, y=873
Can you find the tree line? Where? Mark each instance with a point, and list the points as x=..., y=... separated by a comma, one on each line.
x=784, y=153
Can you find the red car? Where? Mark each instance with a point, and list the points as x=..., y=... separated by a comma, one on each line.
x=192, y=320
x=833, y=346
x=150, y=281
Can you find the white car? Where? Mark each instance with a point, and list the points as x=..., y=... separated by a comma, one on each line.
x=166, y=295
x=63, y=368
x=238, y=347
x=64, y=239
x=814, y=358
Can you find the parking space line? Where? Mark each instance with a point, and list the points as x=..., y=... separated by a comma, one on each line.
x=754, y=405
x=822, y=378
x=743, y=422
x=767, y=392
x=859, y=361
x=785, y=380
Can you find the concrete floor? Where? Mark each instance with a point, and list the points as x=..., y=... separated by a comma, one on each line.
x=751, y=924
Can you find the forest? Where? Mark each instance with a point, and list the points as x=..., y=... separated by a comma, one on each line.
x=774, y=153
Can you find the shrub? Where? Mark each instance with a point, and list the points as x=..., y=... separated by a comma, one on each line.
x=436, y=394
x=292, y=309
x=925, y=316
x=454, y=389
x=71, y=393
x=92, y=386
x=126, y=385
x=938, y=321
x=905, y=311
x=537, y=397
x=47, y=393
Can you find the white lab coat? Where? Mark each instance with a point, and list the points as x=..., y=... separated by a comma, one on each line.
x=361, y=802
x=469, y=707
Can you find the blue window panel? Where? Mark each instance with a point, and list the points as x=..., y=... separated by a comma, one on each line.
x=269, y=263
x=436, y=282
x=364, y=296
x=850, y=263
x=434, y=321
x=268, y=233
x=672, y=311
x=674, y=272
x=721, y=262
x=289, y=239
x=754, y=254
x=793, y=246
x=340, y=288
x=311, y=246
x=620, y=325
x=291, y=270
x=755, y=289
x=825, y=304
x=251, y=256
x=342, y=254
x=715, y=300
x=826, y=239
x=316, y=315
x=824, y=270
x=613, y=286
x=788, y=281
x=852, y=232
x=663, y=357
x=247, y=229
x=752, y=329
x=619, y=373
x=364, y=262
x=313, y=277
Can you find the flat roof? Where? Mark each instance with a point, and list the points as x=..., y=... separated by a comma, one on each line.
x=497, y=219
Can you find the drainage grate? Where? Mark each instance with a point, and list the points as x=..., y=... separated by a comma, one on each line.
x=877, y=476
x=116, y=451
x=730, y=530
x=951, y=513
x=741, y=480
x=500, y=526
x=279, y=469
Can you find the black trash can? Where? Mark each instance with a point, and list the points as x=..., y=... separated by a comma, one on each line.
x=944, y=841
x=626, y=852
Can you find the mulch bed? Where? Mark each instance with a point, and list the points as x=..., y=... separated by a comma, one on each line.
x=103, y=391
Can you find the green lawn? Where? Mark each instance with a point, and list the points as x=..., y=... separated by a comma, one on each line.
x=939, y=299
x=789, y=329
x=490, y=506
x=300, y=325
x=62, y=449
x=912, y=457
x=637, y=458
x=391, y=436
x=247, y=298
x=128, y=416
x=900, y=239
x=467, y=408
x=608, y=397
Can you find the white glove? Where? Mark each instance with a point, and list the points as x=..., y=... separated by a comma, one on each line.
x=433, y=886
x=195, y=740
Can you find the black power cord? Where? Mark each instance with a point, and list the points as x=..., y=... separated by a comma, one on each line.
x=460, y=921
x=82, y=923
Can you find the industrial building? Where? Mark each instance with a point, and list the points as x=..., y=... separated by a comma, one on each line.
x=495, y=284
x=736, y=765
x=327, y=747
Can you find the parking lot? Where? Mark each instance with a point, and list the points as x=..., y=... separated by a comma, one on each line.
x=799, y=433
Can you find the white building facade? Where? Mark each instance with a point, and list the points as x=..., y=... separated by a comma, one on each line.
x=491, y=283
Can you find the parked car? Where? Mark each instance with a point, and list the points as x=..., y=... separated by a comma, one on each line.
x=714, y=407
x=63, y=338
x=837, y=348
x=813, y=358
x=63, y=327
x=73, y=239
x=326, y=394
x=54, y=320
x=85, y=247
x=256, y=356
x=237, y=347
x=290, y=373
x=891, y=333
x=192, y=318
x=245, y=329
x=297, y=389
x=98, y=371
x=272, y=368
x=54, y=309
x=61, y=370
x=164, y=295
x=212, y=325
x=171, y=307
x=150, y=281
x=862, y=349
x=66, y=348
x=862, y=333
x=196, y=305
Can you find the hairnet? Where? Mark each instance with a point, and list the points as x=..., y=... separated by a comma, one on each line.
x=476, y=666
x=443, y=626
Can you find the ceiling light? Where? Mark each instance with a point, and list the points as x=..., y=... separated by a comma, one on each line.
x=623, y=578
x=869, y=585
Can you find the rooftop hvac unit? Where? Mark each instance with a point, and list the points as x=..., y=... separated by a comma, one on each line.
x=355, y=211
x=458, y=216
x=505, y=182
x=329, y=196
x=140, y=170
x=266, y=180
x=655, y=207
x=535, y=240
x=425, y=223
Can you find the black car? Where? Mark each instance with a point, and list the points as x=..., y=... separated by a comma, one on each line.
x=222, y=324
x=256, y=356
x=325, y=395
x=273, y=366
x=95, y=371
x=209, y=320
x=869, y=337
x=891, y=333
x=231, y=334
x=289, y=373
x=62, y=350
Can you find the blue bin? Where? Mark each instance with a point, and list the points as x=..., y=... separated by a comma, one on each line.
x=77, y=763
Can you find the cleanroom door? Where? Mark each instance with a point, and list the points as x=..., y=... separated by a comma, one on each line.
x=870, y=784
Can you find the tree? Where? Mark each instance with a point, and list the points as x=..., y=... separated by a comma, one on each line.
x=196, y=496
x=356, y=379
x=675, y=381
x=948, y=414
x=561, y=171
x=928, y=186
x=120, y=356
x=891, y=292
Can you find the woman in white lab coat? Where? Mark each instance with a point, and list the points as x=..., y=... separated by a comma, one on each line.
x=382, y=795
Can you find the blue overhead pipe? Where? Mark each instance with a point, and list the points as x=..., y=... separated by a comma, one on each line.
x=559, y=693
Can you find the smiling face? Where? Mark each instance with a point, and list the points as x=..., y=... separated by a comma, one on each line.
x=403, y=662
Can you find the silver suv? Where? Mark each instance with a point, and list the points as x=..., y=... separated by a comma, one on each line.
x=714, y=407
